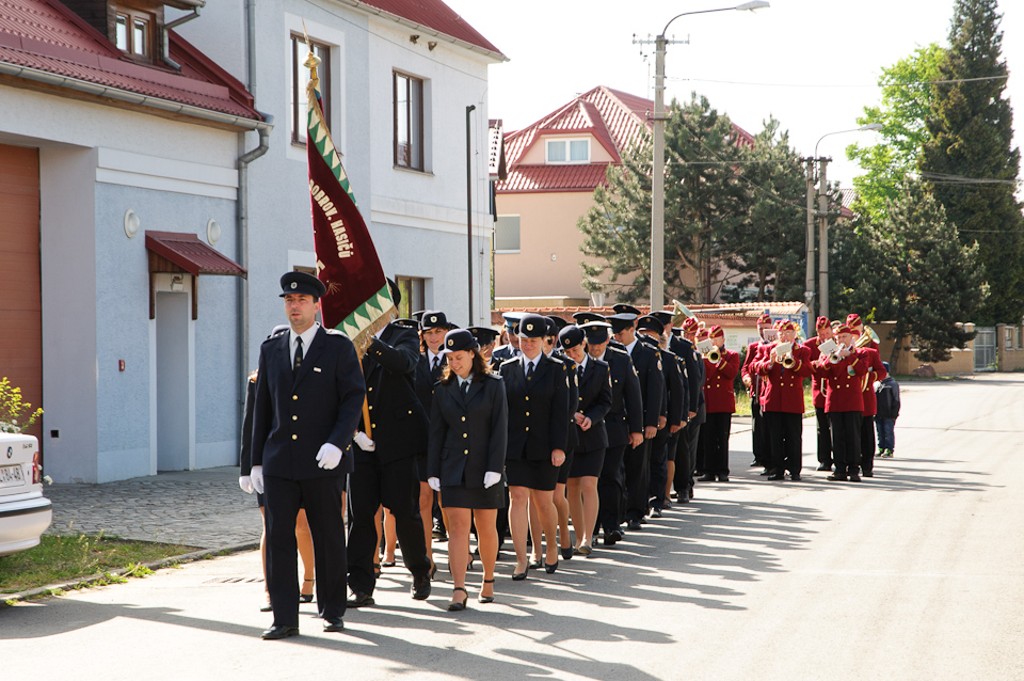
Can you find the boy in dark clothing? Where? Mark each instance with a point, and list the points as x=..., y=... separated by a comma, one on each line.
x=887, y=392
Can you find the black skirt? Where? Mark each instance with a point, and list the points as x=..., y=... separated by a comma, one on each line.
x=587, y=464
x=463, y=497
x=538, y=475
x=565, y=468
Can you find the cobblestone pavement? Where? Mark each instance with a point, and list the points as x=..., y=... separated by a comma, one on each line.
x=203, y=508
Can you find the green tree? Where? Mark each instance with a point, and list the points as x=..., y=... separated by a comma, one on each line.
x=912, y=267
x=768, y=246
x=906, y=101
x=703, y=200
x=969, y=160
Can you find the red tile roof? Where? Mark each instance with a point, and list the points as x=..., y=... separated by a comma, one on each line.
x=617, y=120
x=435, y=15
x=45, y=36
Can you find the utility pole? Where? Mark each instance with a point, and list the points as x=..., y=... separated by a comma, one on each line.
x=809, y=273
x=469, y=206
x=823, y=233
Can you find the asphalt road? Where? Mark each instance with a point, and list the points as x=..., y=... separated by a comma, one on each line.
x=915, y=574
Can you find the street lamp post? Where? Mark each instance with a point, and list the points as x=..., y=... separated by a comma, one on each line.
x=658, y=168
x=822, y=220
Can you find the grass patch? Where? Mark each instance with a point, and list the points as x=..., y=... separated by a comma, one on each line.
x=743, y=402
x=63, y=559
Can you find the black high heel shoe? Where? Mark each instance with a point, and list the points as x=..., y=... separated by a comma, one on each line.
x=455, y=606
x=306, y=598
x=566, y=553
x=550, y=567
x=481, y=597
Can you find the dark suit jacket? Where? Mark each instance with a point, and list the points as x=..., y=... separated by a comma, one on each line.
x=398, y=420
x=595, y=401
x=538, y=409
x=572, y=433
x=468, y=434
x=694, y=364
x=647, y=361
x=426, y=378
x=295, y=413
x=627, y=412
x=245, y=452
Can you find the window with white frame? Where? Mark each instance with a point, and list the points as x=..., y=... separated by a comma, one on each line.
x=299, y=77
x=506, y=234
x=568, y=151
x=408, y=121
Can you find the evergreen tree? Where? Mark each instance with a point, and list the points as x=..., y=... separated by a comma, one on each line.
x=768, y=246
x=703, y=201
x=912, y=268
x=969, y=160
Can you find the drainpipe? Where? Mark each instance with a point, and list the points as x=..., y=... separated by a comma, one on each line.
x=166, y=41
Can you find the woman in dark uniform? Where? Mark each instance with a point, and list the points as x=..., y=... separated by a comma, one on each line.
x=593, y=404
x=466, y=457
x=538, y=422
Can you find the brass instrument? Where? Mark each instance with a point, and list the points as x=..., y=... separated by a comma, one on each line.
x=835, y=357
x=788, y=362
x=714, y=355
x=867, y=336
x=784, y=355
x=679, y=313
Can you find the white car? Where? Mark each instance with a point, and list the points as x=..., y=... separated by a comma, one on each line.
x=24, y=512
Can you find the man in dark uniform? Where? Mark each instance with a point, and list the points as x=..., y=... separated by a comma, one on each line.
x=651, y=331
x=673, y=344
x=385, y=471
x=624, y=424
x=309, y=397
x=686, y=455
x=647, y=363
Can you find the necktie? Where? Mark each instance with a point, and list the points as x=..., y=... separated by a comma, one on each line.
x=529, y=370
x=297, y=362
x=579, y=371
x=465, y=387
x=437, y=361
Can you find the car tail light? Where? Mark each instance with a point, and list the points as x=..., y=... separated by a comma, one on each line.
x=37, y=468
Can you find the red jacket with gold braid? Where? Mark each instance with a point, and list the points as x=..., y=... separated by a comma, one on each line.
x=817, y=394
x=783, y=388
x=874, y=371
x=755, y=351
x=719, y=397
x=841, y=382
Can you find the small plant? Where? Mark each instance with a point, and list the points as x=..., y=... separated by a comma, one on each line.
x=12, y=408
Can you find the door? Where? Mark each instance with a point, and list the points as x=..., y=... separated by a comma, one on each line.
x=172, y=382
x=21, y=343
x=985, y=348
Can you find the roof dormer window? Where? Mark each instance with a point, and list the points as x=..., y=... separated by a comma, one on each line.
x=133, y=33
x=567, y=151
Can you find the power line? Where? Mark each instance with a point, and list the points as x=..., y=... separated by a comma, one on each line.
x=833, y=85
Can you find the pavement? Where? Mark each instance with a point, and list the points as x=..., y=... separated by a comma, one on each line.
x=915, y=574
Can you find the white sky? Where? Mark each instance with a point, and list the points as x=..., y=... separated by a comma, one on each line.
x=813, y=64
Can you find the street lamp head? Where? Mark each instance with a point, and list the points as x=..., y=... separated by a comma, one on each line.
x=754, y=4
x=871, y=126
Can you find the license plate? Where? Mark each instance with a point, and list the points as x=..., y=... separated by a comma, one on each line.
x=11, y=476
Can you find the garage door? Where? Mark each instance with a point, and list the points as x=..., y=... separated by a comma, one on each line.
x=21, y=334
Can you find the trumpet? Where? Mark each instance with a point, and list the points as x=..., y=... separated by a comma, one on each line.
x=788, y=362
x=835, y=357
x=714, y=355
x=784, y=355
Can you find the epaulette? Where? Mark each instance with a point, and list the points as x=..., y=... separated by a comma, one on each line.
x=335, y=332
x=406, y=323
x=509, y=361
x=620, y=349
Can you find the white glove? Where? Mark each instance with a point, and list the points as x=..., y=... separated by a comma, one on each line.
x=364, y=442
x=329, y=456
x=245, y=482
x=491, y=479
x=435, y=484
x=256, y=477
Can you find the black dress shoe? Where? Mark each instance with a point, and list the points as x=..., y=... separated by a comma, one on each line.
x=279, y=631
x=610, y=538
x=707, y=477
x=634, y=525
x=868, y=474
x=566, y=553
x=334, y=624
x=777, y=476
x=655, y=512
x=839, y=477
x=359, y=600
x=825, y=467
x=551, y=567
x=534, y=564
x=421, y=587
x=795, y=477
x=854, y=477
x=723, y=478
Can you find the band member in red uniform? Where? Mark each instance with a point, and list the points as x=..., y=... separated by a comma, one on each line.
x=784, y=366
x=721, y=405
x=874, y=371
x=824, y=332
x=754, y=383
x=841, y=374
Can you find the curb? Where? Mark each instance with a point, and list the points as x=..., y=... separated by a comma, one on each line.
x=8, y=599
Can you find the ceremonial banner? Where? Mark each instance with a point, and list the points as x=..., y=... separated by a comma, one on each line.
x=358, y=301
